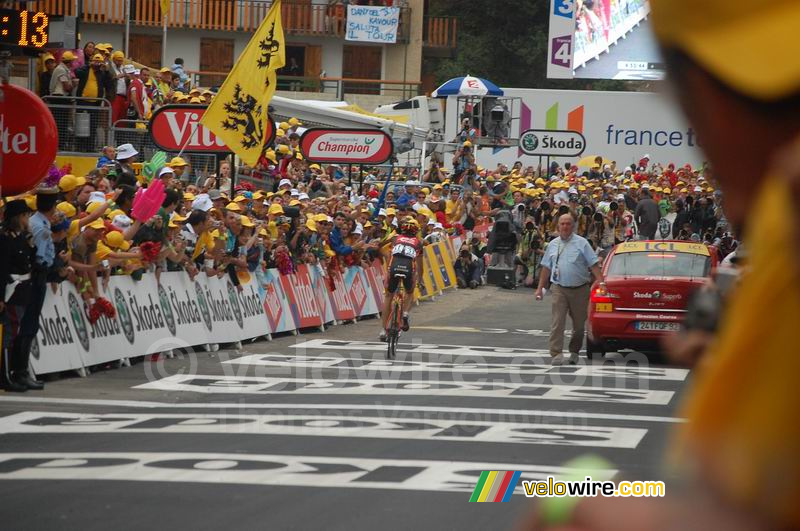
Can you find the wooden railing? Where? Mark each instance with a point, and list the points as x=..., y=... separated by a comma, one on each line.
x=440, y=32
x=225, y=15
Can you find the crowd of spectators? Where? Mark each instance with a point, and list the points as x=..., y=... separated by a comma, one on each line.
x=98, y=72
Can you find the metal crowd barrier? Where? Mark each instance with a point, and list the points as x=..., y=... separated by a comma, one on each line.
x=83, y=124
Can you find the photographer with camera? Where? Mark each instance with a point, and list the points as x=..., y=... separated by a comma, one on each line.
x=529, y=253
x=468, y=268
x=434, y=174
x=463, y=160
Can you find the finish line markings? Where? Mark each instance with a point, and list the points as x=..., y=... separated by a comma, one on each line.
x=286, y=386
x=431, y=430
x=382, y=366
x=280, y=470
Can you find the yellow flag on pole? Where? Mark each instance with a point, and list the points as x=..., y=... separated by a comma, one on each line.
x=165, y=7
x=238, y=113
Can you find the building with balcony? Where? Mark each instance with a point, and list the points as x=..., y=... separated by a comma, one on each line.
x=210, y=34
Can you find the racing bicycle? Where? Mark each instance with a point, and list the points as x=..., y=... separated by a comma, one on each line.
x=395, y=318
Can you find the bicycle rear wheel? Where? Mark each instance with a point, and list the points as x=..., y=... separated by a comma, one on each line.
x=393, y=332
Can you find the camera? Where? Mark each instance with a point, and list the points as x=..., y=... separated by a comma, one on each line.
x=465, y=253
x=613, y=206
x=598, y=217
x=586, y=211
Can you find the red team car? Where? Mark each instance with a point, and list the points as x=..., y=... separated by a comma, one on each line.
x=647, y=288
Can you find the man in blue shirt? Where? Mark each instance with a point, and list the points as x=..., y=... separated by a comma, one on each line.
x=337, y=240
x=568, y=264
x=39, y=225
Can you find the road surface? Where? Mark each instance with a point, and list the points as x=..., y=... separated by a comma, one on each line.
x=319, y=432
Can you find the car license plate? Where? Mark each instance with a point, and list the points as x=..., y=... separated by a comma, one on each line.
x=657, y=326
x=603, y=307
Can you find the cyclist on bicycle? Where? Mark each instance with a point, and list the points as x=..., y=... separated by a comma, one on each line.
x=406, y=260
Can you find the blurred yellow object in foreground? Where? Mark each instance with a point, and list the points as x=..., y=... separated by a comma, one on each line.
x=743, y=431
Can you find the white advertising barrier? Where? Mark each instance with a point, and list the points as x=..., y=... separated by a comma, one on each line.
x=620, y=126
x=276, y=303
x=151, y=317
x=322, y=293
x=360, y=292
x=372, y=24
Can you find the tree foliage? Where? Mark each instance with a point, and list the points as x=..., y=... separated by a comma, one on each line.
x=504, y=41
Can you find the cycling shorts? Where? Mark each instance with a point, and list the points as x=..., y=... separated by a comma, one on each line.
x=404, y=266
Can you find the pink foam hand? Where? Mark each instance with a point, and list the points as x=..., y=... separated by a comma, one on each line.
x=146, y=202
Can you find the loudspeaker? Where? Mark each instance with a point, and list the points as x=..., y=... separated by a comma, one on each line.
x=500, y=276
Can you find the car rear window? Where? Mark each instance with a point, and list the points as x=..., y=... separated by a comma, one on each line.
x=660, y=264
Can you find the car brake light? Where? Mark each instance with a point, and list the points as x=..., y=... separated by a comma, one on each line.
x=602, y=295
x=661, y=255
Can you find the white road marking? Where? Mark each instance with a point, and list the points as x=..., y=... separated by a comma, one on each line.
x=326, y=426
x=225, y=406
x=423, y=348
x=210, y=384
x=380, y=366
x=281, y=470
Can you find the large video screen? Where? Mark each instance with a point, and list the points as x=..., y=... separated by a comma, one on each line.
x=613, y=40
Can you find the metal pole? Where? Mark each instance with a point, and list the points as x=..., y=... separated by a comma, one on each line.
x=164, y=41
x=127, y=26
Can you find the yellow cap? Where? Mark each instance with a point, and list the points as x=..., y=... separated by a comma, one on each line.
x=97, y=57
x=239, y=199
x=67, y=209
x=311, y=225
x=96, y=224
x=275, y=209
x=280, y=132
x=283, y=149
x=247, y=222
x=188, y=196
x=749, y=45
x=667, y=191
x=115, y=239
x=68, y=56
x=284, y=125
x=270, y=156
x=114, y=213
x=391, y=211
x=68, y=183
x=94, y=205
x=118, y=55
x=164, y=70
x=684, y=190
x=263, y=232
x=195, y=100
x=233, y=207
x=177, y=162
x=294, y=202
x=294, y=122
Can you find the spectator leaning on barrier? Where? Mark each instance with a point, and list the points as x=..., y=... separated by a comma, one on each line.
x=62, y=82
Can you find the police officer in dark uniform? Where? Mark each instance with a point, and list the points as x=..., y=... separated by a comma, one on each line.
x=41, y=232
x=15, y=291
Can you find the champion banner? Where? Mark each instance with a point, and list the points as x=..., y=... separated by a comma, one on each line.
x=238, y=113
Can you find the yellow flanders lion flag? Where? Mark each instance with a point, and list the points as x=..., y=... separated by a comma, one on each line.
x=238, y=113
